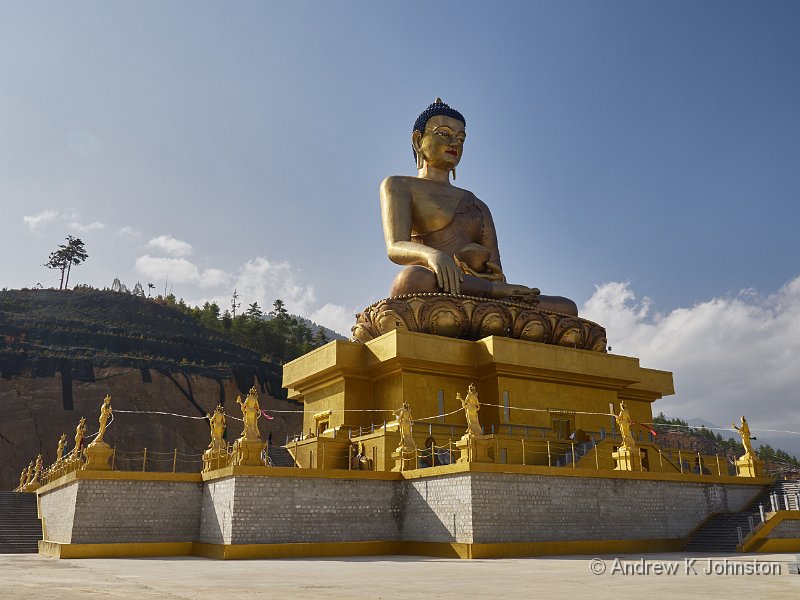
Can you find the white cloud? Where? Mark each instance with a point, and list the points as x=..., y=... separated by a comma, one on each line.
x=179, y=270
x=261, y=280
x=34, y=221
x=75, y=226
x=336, y=317
x=170, y=245
x=128, y=230
x=730, y=356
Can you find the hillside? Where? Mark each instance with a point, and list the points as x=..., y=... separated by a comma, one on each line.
x=678, y=434
x=61, y=352
x=41, y=329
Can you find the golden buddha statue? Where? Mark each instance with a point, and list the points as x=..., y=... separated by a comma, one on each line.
x=442, y=234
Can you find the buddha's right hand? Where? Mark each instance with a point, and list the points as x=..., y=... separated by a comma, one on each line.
x=448, y=275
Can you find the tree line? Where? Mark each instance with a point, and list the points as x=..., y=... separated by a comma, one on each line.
x=277, y=336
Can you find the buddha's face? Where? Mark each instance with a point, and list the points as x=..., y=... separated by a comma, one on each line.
x=442, y=143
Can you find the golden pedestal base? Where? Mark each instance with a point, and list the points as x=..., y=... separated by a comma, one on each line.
x=97, y=457
x=749, y=466
x=623, y=458
x=474, y=449
x=215, y=458
x=404, y=460
x=248, y=453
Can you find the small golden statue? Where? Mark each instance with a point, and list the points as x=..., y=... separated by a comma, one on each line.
x=249, y=450
x=62, y=442
x=218, y=424
x=624, y=423
x=37, y=473
x=473, y=445
x=744, y=431
x=80, y=432
x=405, y=455
x=105, y=413
x=251, y=412
x=216, y=455
x=406, y=426
x=623, y=456
x=471, y=407
x=748, y=465
x=23, y=479
x=99, y=452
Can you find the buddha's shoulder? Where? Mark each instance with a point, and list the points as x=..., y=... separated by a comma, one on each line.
x=411, y=183
x=396, y=183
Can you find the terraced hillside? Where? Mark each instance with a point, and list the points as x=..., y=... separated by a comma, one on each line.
x=61, y=352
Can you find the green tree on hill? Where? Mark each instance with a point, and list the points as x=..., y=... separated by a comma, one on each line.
x=67, y=255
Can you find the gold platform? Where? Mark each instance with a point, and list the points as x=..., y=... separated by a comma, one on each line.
x=526, y=389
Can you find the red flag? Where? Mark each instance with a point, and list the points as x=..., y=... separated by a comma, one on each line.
x=653, y=431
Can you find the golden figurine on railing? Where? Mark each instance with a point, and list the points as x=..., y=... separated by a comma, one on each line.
x=99, y=452
x=624, y=422
x=80, y=432
x=216, y=455
x=624, y=454
x=405, y=455
x=405, y=426
x=62, y=442
x=471, y=407
x=251, y=411
x=744, y=431
x=474, y=446
x=105, y=413
x=748, y=465
x=248, y=449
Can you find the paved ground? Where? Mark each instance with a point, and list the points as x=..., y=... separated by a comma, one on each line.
x=31, y=576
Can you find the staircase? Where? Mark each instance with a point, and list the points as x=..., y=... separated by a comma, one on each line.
x=720, y=533
x=280, y=457
x=581, y=450
x=20, y=528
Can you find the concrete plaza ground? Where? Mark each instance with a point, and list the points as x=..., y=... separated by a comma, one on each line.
x=25, y=576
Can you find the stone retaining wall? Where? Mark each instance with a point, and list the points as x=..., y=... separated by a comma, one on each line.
x=96, y=511
x=535, y=508
x=785, y=530
x=453, y=508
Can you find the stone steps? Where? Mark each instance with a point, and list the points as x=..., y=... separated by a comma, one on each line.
x=720, y=533
x=20, y=528
x=280, y=457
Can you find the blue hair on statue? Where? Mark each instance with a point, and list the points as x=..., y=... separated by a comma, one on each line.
x=435, y=109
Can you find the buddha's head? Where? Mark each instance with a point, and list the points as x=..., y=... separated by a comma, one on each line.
x=438, y=136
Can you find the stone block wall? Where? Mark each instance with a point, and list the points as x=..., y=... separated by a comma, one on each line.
x=216, y=510
x=437, y=509
x=535, y=508
x=57, y=510
x=462, y=507
x=118, y=511
x=785, y=530
x=272, y=510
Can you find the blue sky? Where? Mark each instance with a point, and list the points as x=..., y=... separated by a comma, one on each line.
x=639, y=157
